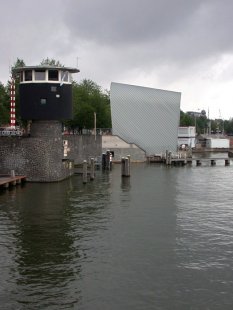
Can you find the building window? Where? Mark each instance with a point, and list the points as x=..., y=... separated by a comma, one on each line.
x=43, y=100
x=39, y=75
x=64, y=76
x=28, y=75
x=53, y=75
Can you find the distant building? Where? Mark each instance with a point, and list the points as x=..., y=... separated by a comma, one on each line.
x=213, y=141
x=197, y=114
x=217, y=143
x=187, y=136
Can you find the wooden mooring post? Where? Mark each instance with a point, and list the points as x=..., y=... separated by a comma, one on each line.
x=168, y=157
x=84, y=172
x=106, y=161
x=213, y=162
x=92, y=174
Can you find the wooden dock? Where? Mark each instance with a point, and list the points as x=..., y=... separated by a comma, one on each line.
x=6, y=180
x=199, y=161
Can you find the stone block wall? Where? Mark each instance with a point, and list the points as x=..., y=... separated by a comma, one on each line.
x=39, y=157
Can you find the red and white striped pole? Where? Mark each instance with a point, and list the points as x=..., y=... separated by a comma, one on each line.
x=12, y=115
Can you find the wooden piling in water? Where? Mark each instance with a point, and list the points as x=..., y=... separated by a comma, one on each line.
x=92, y=174
x=166, y=157
x=84, y=172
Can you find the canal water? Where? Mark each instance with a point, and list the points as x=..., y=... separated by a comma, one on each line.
x=161, y=239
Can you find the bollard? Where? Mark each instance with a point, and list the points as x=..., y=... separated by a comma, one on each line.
x=12, y=173
x=108, y=162
x=166, y=157
x=213, y=162
x=125, y=166
x=84, y=172
x=227, y=162
x=103, y=161
x=128, y=166
x=92, y=169
x=122, y=166
x=198, y=162
x=169, y=158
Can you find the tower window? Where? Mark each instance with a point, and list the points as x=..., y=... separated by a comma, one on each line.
x=39, y=75
x=64, y=76
x=28, y=75
x=53, y=75
x=43, y=101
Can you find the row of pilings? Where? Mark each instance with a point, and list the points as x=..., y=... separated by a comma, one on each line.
x=106, y=165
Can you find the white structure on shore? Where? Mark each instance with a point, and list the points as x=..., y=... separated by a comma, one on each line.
x=187, y=136
x=146, y=116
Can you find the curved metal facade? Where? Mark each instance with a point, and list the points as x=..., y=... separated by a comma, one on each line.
x=146, y=116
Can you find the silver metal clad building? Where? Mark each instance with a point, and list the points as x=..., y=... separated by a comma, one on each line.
x=145, y=116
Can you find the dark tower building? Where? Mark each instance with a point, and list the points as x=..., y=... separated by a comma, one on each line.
x=45, y=92
x=45, y=99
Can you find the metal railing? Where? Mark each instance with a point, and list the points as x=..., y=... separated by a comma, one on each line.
x=85, y=131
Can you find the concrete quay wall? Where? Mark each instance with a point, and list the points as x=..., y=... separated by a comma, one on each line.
x=121, y=148
x=82, y=147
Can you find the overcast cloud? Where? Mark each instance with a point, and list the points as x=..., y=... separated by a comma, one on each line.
x=179, y=45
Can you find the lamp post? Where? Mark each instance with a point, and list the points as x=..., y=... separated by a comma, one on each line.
x=95, y=125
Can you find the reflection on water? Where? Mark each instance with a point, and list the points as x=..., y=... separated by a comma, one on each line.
x=160, y=239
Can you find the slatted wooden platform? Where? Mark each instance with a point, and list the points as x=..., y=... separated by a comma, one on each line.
x=199, y=161
x=6, y=180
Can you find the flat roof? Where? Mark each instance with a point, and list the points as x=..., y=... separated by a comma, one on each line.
x=45, y=67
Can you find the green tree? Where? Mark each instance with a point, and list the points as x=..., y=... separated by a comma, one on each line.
x=51, y=62
x=4, y=105
x=185, y=119
x=88, y=99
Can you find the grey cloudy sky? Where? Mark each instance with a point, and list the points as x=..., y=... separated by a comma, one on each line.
x=179, y=45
